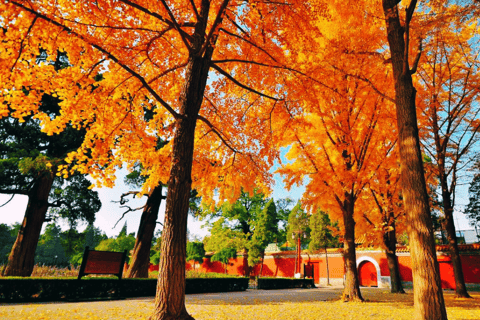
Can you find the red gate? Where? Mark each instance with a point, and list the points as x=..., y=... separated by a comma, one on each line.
x=367, y=273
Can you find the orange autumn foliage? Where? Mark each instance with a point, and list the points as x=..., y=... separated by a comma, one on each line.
x=141, y=56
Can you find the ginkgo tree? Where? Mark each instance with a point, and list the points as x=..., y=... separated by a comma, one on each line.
x=344, y=135
x=159, y=57
x=384, y=215
x=449, y=94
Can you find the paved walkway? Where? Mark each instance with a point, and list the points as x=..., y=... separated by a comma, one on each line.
x=250, y=304
x=136, y=308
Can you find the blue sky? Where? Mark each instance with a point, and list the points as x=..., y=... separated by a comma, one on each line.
x=111, y=212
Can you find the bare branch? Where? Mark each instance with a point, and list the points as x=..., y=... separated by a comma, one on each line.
x=16, y=191
x=129, y=210
x=13, y=195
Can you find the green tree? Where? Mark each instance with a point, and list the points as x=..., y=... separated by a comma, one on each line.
x=244, y=215
x=222, y=235
x=321, y=235
x=224, y=241
x=7, y=238
x=298, y=224
x=472, y=211
x=224, y=256
x=298, y=229
x=284, y=207
x=322, y=232
x=120, y=243
x=29, y=160
x=90, y=237
x=265, y=231
x=195, y=252
x=156, y=248
x=50, y=250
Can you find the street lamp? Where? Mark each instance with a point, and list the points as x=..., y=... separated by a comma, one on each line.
x=299, y=248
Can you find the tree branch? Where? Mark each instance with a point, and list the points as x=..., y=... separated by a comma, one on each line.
x=15, y=191
x=214, y=129
x=129, y=210
x=365, y=80
x=13, y=195
x=176, y=25
x=21, y=43
x=216, y=23
x=228, y=76
x=161, y=18
x=417, y=58
x=195, y=9
x=283, y=67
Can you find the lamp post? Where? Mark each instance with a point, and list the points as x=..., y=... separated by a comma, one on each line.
x=299, y=248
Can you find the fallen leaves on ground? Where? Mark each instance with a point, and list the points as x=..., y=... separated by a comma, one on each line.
x=283, y=304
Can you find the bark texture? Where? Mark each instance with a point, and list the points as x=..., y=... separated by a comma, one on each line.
x=351, y=292
x=22, y=257
x=170, y=297
x=428, y=295
x=328, y=270
x=448, y=223
x=390, y=242
x=449, y=226
x=141, y=251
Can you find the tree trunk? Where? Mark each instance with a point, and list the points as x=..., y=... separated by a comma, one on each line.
x=428, y=295
x=170, y=297
x=351, y=292
x=449, y=226
x=141, y=251
x=390, y=242
x=22, y=257
x=328, y=271
x=261, y=266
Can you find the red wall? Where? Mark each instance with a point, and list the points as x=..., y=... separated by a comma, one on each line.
x=283, y=265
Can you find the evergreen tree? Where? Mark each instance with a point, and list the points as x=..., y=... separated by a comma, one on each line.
x=7, y=238
x=298, y=224
x=265, y=231
x=50, y=250
x=120, y=243
x=298, y=229
x=90, y=237
x=473, y=208
x=29, y=165
x=321, y=235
